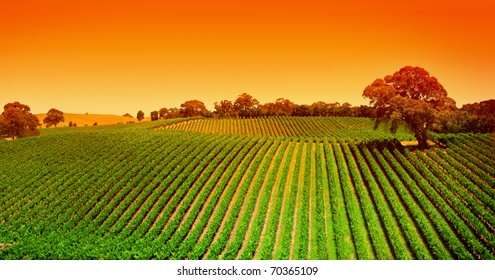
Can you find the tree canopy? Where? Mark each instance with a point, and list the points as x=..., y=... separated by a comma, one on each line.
x=163, y=113
x=17, y=121
x=224, y=108
x=281, y=107
x=482, y=108
x=192, y=108
x=140, y=115
x=53, y=117
x=154, y=115
x=246, y=105
x=410, y=95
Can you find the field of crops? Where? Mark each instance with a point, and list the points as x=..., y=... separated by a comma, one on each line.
x=342, y=128
x=131, y=192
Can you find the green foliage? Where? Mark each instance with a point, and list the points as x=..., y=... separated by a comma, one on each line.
x=135, y=192
x=340, y=128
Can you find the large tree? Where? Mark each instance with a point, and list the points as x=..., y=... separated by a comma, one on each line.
x=17, y=121
x=193, y=108
x=412, y=96
x=246, y=106
x=53, y=117
x=283, y=107
x=173, y=113
x=224, y=108
x=163, y=113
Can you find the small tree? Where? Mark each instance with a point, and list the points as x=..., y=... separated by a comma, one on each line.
x=17, y=121
x=412, y=96
x=140, y=115
x=53, y=117
x=154, y=116
x=163, y=113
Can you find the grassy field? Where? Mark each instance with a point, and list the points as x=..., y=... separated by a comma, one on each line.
x=276, y=188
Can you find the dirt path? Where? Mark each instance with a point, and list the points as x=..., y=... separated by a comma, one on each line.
x=4, y=246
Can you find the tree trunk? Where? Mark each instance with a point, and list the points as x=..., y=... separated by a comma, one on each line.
x=422, y=139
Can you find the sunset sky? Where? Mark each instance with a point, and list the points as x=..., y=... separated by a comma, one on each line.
x=121, y=56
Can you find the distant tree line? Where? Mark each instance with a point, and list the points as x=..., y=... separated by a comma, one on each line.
x=246, y=106
x=475, y=117
x=396, y=97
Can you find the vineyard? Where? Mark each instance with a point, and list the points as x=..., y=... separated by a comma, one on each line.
x=273, y=188
x=330, y=127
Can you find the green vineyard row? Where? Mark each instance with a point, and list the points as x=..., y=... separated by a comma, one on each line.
x=131, y=192
x=341, y=128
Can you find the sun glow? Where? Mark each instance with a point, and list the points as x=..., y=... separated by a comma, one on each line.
x=124, y=56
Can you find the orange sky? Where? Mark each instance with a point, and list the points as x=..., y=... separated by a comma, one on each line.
x=119, y=56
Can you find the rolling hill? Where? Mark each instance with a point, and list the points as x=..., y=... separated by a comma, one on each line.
x=218, y=189
x=91, y=119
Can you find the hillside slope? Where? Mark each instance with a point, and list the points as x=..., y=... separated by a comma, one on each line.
x=130, y=192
